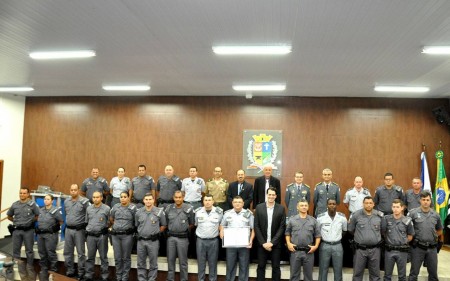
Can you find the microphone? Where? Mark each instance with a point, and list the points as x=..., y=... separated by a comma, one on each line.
x=53, y=182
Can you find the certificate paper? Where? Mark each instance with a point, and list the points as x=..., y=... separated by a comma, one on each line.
x=236, y=237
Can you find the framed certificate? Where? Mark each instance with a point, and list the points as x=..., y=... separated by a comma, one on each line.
x=236, y=237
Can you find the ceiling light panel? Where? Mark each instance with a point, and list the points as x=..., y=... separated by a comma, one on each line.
x=251, y=50
x=268, y=88
x=62, y=55
x=401, y=89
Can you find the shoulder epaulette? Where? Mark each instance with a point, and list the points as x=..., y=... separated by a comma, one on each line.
x=175, y=178
x=247, y=214
x=187, y=208
x=306, y=185
x=100, y=179
x=227, y=211
x=148, y=177
x=341, y=214
x=30, y=203
x=406, y=220
x=334, y=183
x=54, y=210
x=321, y=215
x=379, y=213
x=224, y=180
x=219, y=210
x=209, y=180
x=289, y=185
x=84, y=200
x=398, y=188
x=132, y=207
x=167, y=208
x=198, y=209
x=160, y=211
x=319, y=184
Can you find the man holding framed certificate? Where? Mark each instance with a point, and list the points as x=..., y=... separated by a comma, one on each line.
x=236, y=231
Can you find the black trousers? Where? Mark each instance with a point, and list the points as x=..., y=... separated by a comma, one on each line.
x=263, y=256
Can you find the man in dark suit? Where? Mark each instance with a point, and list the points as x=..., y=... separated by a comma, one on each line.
x=263, y=183
x=270, y=224
x=241, y=188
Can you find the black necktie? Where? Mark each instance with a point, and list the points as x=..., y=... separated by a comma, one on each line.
x=327, y=188
x=240, y=188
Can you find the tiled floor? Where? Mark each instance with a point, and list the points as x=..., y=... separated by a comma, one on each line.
x=443, y=266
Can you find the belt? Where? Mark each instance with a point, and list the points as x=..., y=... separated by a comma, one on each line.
x=76, y=227
x=24, y=228
x=365, y=247
x=122, y=232
x=402, y=248
x=153, y=237
x=426, y=245
x=331, y=243
x=304, y=249
x=214, y=238
x=39, y=231
x=97, y=234
x=178, y=234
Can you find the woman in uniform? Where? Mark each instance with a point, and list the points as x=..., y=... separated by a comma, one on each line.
x=122, y=232
x=49, y=222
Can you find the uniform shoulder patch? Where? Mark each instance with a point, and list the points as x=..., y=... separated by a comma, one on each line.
x=219, y=210
x=224, y=180
x=406, y=220
x=210, y=180
x=380, y=214
x=319, y=184
x=247, y=214
x=398, y=188
x=148, y=177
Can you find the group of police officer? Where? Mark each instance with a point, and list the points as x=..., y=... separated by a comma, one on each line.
x=183, y=204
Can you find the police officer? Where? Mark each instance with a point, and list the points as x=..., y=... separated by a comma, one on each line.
x=218, y=188
x=150, y=221
x=166, y=187
x=354, y=197
x=193, y=188
x=94, y=183
x=325, y=190
x=302, y=239
x=141, y=185
x=412, y=196
x=295, y=192
x=75, y=235
x=180, y=219
x=428, y=229
x=97, y=219
x=122, y=232
x=23, y=213
x=118, y=185
x=49, y=222
x=385, y=194
x=397, y=231
x=365, y=225
x=332, y=227
x=238, y=217
x=207, y=220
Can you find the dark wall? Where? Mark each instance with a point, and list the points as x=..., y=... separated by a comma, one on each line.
x=66, y=137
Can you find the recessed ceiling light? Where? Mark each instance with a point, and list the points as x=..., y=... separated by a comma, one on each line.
x=62, y=55
x=16, y=89
x=436, y=50
x=401, y=89
x=126, y=87
x=270, y=87
x=251, y=50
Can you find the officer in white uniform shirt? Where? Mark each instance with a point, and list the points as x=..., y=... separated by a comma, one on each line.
x=193, y=188
x=354, y=197
x=332, y=225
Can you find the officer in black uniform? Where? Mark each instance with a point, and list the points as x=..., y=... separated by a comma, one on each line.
x=23, y=213
x=49, y=222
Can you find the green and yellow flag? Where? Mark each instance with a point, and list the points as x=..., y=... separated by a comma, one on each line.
x=441, y=190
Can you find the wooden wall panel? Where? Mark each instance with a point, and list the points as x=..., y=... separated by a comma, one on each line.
x=353, y=136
